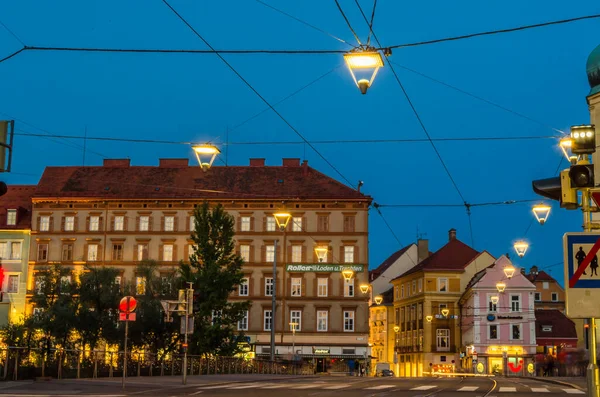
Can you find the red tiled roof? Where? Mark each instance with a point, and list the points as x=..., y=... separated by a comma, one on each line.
x=540, y=276
x=562, y=326
x=455, y=255
x=373, y=274
x=174, y=180
x=17, y=197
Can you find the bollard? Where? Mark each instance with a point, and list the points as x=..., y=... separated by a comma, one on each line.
x=110, y=368
x=139, y=366
x=16, y=374
x=95, y=376
x=172, y=366
x=78, y=364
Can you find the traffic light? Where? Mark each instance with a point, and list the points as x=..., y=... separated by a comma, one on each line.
x=582, y=175
x=196, y=301
x=558, y=188
x=583, y=139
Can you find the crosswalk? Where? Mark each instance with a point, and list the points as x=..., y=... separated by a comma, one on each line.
x=382, y=387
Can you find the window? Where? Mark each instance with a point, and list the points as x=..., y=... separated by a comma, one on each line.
x=296, y=253
x=144, y=225
x=322, y=223
x=322, y=286
x=119, y=223
x=546, y=328
x=166, y=284
x=169, y=223
x=296, y=319
x=11, y=217
x=15, y=250
x=245, y=224
x=140, y=285
x=545, y=285
x=322, y=316
x=94, y=223
x=69, y=223
x=442, y=284
x=493, y=332
x=268, y=320
x=443, y=339
x=191, y=250
x=268, y=286
x=297, y=224
x=4, y=250
x=245, y=252
x=117, y=252
x=420, y=284
x=515, y=303
x=270, y=253
x=40, y=283
x=13, y=283
x=492, y=307
x=349, y=287
x=118, y=280
x=442, y=306
x=420, y=311
x=92, y=254
x=44, y=223
x=65, y=280
x=243, y=287
x=67, y=252
x=515, y=331
x=296, y=286
x=243, y=323
x=555, y=297
x=348, y=321
x=216, y=317
x=142, y=252
x=37, y=311
x=349, y=223
x=414, y=287
x=271, y=224
x=538, y=296
x=348, y=254
x=168, y=252
x=402, y=291
x=42, y=254
x=192, y=223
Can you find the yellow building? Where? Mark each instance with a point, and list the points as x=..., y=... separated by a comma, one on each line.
x=426, y=308
x=381, y=337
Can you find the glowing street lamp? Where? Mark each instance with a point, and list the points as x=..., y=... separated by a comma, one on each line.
x=364, y=288
x=378, y=299
x=566, y=145
x=396, y=329
x=364, y=59
x=282, y=219
x=429, y=318
x=521, y=248
x=321, y=252
x=494, y=299
x=348, y=274
x=541, y=212
x=445, y=312
x=206, y=155
x=500, y=287
x=509, y=271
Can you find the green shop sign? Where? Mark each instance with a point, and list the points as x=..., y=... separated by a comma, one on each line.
x=320, y=267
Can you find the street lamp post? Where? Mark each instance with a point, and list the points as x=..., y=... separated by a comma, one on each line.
x=282, y=219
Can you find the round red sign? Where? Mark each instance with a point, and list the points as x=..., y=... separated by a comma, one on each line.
x=128, y=304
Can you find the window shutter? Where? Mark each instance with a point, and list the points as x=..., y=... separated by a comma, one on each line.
x=303, y=289
x=263, y=253
x=303, y=254
x=150, y=223
x=239, y=224
x=330, y=254
x=329, y=286
x=137, y=223
x=75, y=223
x=262, y=286
x=252, y=258
x=39, y=221
x=356, y=255
x=175, y=224
x=174, y=252
x=304, y=224
x=125, y=222
x=162, y=223
x=112, y=223
x=315, y=286
x=87, y=223
x=264, y=222
x=341, y=258
x=160, y=252
x=85, y=252
x=289, y=253
x=251, y=223
x=51, y=228
x=289, y=286
x=100, y=256
x=341, y=285
x=101, y=223
x=62, y=224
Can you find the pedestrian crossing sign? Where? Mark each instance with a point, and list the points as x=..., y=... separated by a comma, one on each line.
x=582, y=279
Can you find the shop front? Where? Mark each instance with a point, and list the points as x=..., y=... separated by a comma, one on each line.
x=504, y=360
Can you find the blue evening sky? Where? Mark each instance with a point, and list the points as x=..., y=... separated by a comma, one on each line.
x=539, y=73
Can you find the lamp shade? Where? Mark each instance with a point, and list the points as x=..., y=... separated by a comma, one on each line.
x=282, y=219
x=541, y=212
x=378, y=299
x=205, y=154
x=364, y=63
x=500, y=286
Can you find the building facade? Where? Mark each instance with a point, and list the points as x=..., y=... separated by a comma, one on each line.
x=498, y=328
x=118, y=215
x=426, y=308
x=15, y=233
x=382, y=335
x=548, y=292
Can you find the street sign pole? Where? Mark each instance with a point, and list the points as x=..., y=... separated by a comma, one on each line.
x=188, y=297
x=125, y=352
x=274, y=301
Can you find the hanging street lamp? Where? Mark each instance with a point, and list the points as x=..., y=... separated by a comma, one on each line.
x=541, y=212
x=566, y=145
x=321, y=252
x=521, y=247
x=206, y=155
x=378, y=299
x=365, y=61
x=282, y=219
x=396, y=329
x=364, y=288
x=445, y=312
x=429, y=318
x=494, y=299
x=509, y=271
x=348, y=274
x=500, y=287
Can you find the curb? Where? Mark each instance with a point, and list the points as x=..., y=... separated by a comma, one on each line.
x=557, y=382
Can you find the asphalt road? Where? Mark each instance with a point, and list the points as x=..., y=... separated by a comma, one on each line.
x=265, y=386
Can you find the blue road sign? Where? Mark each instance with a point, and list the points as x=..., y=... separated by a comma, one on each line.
x=581, y=250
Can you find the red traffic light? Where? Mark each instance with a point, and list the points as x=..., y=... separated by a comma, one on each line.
x=128, y=304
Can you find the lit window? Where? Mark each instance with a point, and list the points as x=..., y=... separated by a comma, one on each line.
x=119, y=223
x=140, y=285
x=442, y=285
x=268, y=286
x=516, y=331
x=15, y=250
x=545, y=285
x=245, y=252
x=92, y=252
x=322, y=286
x=271, y=224
x=168, y=252
x=94, y=223
x=118, y=280
x=144, y=223
x=42, y=252
x=13, y=283
x=348, y=254
x=322, y=320
x=69, y=223
x=402, y=291
x=44, y=223
x=245, y=224
x=420, y=285
x=243, y=287
x=296, y=253
x=216, y=317
x=268, y=320
x=515, y=303
x=414, y=287
x=349, y=288
x=270, y=253
x=243, y=323
x=3, y=250
x=191, y=250
x=142, y=252
x=169, y=223
x=297, y=224
x=296, y=320
x=67, y=252
x=296, y=286
x=117, y=252
x=348, y=321
x=493, y=332
x=443, y=339
x=192, y=223
x=11, y=217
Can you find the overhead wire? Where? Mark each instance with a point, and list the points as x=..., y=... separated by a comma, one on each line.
x=13, y=34
x=347, y=22
x=371, y=23
x=178, y=51
x=257, y=93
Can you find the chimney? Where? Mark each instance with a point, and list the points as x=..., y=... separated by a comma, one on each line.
x=305, y=168
x=116, y=163
x=173, y=163
x=257, y=162
x=422, y=249
x=451, y=234
x=291, y=162
x=533, y=270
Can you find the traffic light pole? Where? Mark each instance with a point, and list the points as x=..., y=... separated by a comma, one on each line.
x=188, y=308
x=274, y=301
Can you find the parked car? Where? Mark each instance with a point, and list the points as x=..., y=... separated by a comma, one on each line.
x=386, y=372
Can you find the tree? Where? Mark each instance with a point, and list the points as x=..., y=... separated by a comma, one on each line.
x=215, y=270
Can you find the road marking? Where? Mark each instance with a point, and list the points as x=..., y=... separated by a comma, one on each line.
x=308, y=386
x=507, y=389
x=278, y=386
x=573, y=391
x=379, y=387
x=249, y=386
x=539, y=390
x=196, y=393
x=335, y=387
x=219, y=386
x=427, y=387
x=468, y=388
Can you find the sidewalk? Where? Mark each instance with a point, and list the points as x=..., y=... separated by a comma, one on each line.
x=579, y=382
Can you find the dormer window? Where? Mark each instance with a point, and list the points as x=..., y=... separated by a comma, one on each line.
x=11, y=217
x=546, y=328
